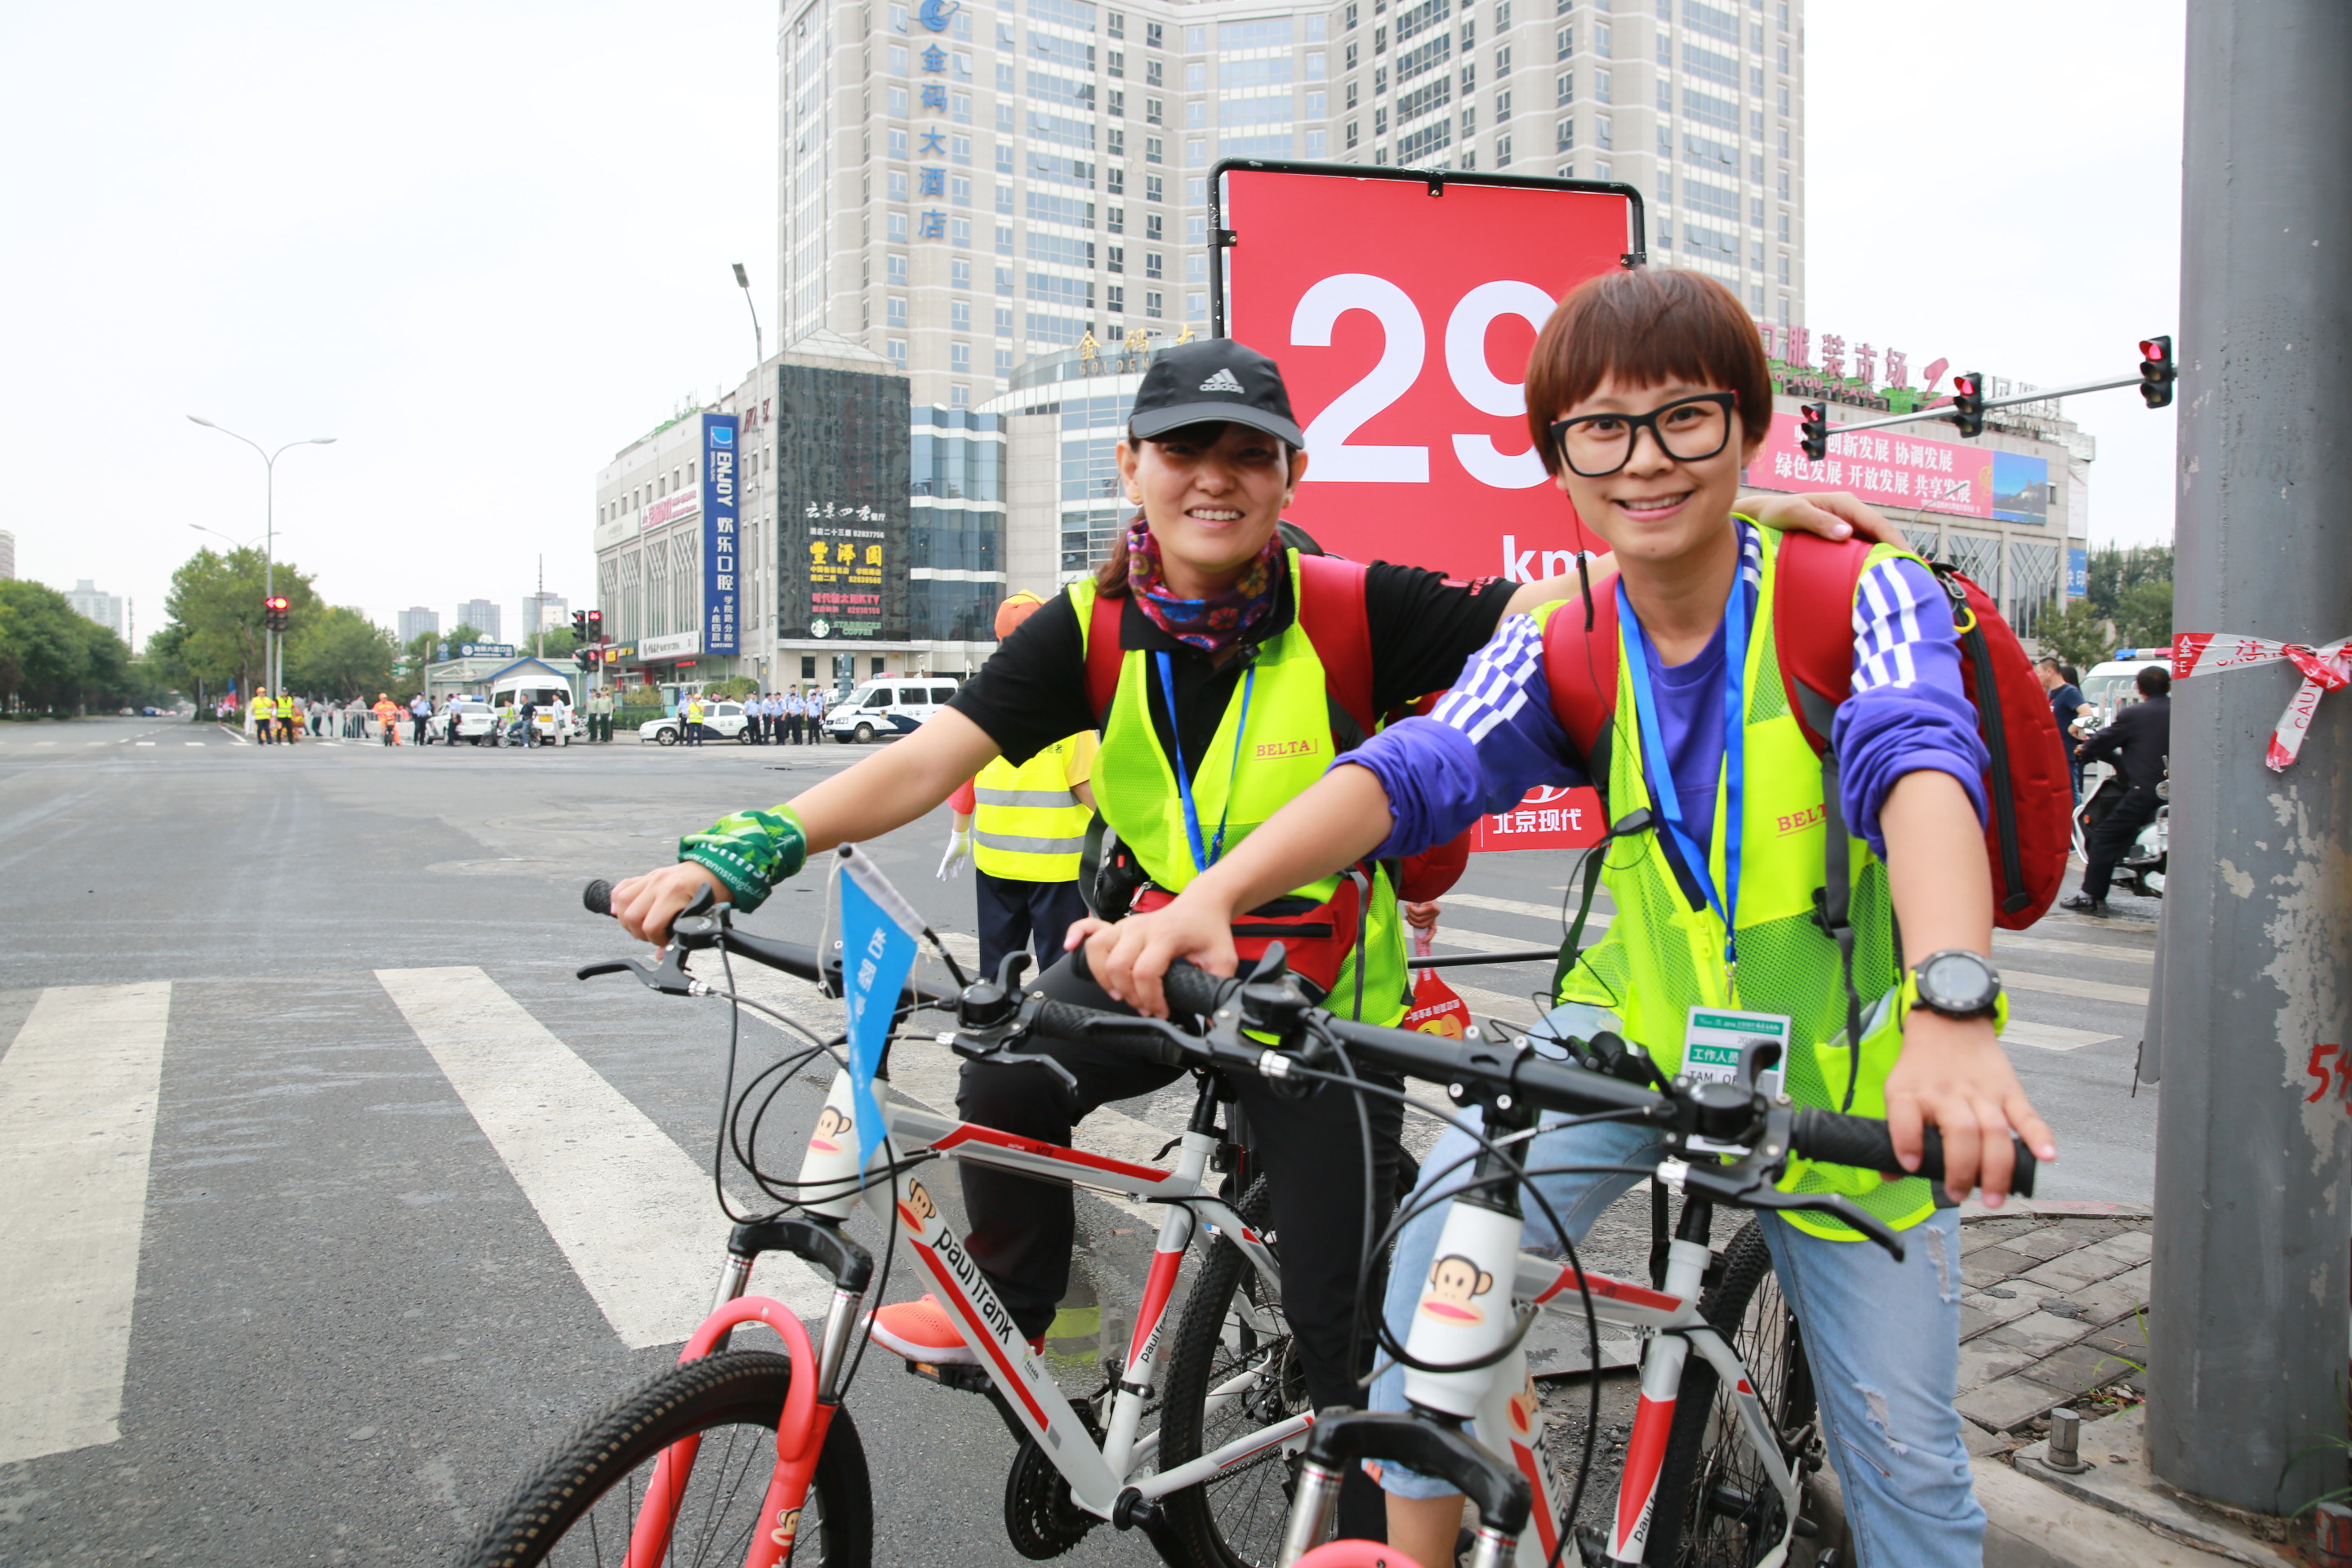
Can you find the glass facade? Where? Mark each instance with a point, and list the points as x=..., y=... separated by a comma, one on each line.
x=956, y=524
x=1092, y=506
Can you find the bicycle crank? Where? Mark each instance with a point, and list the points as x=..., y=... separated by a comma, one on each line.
x=1040, y=1519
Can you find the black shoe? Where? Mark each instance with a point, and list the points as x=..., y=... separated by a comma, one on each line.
x=2083, y=903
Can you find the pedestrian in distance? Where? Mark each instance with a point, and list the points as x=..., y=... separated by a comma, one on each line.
x=796, y=712
x=2139, y=743
x=264, y=714
x=387, y=718
x=1646, y=394
x=527, y=721
x=692, y=718
x=420, y=711
x=2065, y=703
x=1209, y=611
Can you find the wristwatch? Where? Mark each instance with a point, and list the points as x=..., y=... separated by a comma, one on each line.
x=1956, y=983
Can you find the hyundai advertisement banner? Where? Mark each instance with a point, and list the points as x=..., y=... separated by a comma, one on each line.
x=720, y=564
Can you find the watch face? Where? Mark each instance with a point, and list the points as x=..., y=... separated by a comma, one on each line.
x=1956, y=980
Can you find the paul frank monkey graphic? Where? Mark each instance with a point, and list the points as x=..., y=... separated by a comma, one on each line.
x=788, y=1526
x=917, y=1210
x=1454, y=1282
x=832, y=1126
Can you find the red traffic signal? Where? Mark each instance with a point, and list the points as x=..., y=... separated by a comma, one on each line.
x=2157, y=371
x=595, y=619
x=1968, y=402
x=275, y=611
x=1814, y=430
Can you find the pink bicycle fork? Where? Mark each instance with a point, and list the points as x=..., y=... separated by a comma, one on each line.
x=799, y=1438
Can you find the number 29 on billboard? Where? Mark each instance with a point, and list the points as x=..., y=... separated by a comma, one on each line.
x=1401, y=306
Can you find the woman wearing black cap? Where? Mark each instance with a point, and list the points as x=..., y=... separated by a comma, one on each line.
x=1224, y=672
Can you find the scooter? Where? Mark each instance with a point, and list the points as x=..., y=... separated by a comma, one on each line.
x=2142, y=868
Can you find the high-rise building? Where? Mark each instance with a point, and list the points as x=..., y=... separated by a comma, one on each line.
x=416, y=622
x=963, y=187
x=106, y=609
x=542, y=612
x=8, y=556
x=482, y=614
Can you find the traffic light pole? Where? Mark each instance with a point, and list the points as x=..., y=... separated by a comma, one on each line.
x=2248, y=1317
x=1944, y=411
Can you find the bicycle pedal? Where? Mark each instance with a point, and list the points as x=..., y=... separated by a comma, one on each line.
x=960, y=1375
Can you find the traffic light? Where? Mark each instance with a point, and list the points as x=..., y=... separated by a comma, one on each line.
x=579, y=625
x=274, y=611
x=588, y=657
x=595, y=625
x=1816, y=431
x=1968, y=403
x=2157, y=371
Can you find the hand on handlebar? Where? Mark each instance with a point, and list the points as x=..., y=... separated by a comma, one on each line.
x=1954, y=1073
x=1128, y=958
x=645, y=905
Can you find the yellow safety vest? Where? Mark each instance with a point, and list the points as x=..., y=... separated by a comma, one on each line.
x=1027, y=824
x=1661, y=957
x=1288, y=746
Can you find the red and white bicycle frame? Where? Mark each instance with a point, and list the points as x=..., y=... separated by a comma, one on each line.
x=1100, y=1477
x=1462, y=1317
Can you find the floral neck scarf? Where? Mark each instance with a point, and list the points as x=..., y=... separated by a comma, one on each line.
x=1214, y=624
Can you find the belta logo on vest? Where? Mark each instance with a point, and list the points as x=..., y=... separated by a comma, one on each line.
x=1224, y=381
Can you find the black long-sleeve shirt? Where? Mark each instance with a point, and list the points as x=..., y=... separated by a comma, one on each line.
x=2137, y=743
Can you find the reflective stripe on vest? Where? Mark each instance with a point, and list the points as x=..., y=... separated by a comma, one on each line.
x=1288, y=746
x=1661, y=957
x=1027, y=826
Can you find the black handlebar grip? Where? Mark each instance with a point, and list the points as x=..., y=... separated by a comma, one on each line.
x=1068, y=1021
x=1191, y=990
x=1863, y=1142
x=596, y=898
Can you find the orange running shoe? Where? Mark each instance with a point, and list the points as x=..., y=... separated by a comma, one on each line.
x=921, y=1331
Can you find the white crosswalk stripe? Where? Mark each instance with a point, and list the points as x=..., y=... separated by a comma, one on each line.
x=78, y=1093
x=633, y=1213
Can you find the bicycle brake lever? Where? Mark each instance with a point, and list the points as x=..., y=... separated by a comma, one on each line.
x=613, y=966
x=1746, y=1186
x=1015, y=1059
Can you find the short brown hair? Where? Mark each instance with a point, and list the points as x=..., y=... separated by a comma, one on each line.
x=1646, y=327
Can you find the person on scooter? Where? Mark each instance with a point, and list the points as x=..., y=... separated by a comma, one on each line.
x=1218, y=714
x=2139, y=743
x=1647, y=392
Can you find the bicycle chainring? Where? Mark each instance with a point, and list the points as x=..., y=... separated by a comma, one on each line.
x=1040, y=1520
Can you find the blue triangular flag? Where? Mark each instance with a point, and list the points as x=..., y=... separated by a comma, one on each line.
x=878, y=949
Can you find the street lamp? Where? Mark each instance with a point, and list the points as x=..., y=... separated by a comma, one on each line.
x=275, y=657
x=743, y=282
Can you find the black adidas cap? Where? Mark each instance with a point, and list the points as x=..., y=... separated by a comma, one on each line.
x=1212, y=378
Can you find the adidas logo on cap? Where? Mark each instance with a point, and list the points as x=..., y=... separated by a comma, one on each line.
x=1224, y=381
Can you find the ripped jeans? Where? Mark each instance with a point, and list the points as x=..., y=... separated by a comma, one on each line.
x=1883, y=1337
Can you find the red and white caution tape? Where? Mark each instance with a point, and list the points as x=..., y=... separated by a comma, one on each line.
x=2325, y=668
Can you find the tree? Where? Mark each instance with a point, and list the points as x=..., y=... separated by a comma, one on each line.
x=213, y=616
x=2079, y=635
x=339, y=653
x=53, y=660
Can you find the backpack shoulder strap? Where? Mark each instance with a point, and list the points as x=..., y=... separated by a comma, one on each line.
x=1103, y=653
x=1580, y=665
x=1812, y=626
x=1331, y=613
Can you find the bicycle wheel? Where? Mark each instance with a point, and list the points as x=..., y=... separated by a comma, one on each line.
x=1231, y=1338
x=1717, y=1508
x=579, y=1506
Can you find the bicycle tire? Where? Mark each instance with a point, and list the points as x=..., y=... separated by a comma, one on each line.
x=739, y=1393
x=1716, y=1509
x=1232, y=1323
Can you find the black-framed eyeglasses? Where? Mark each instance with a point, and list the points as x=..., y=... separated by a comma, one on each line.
x=1688, y=431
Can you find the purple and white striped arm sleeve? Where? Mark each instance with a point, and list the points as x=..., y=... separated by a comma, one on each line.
x=1909, y=709
x=1491, y=740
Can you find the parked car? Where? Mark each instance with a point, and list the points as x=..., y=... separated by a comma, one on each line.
x=885, y=710
x=721, y=721
x=476, y=723
x=538, y=690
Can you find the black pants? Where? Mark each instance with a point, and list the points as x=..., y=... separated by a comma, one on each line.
x=2111, y=838
x=1035, y=915
x=1311, y=1150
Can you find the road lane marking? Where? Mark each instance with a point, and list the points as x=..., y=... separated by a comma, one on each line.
x=1479, y=941
x=1503, y=906
x=2082, y=990
x=2079, y=949
x=633, y=1213
x=2050, y=1037
x=78, y=1092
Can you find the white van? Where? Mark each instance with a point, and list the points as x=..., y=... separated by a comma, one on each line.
x=543, y=690
x=887, y=708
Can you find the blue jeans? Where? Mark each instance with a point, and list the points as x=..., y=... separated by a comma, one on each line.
x=1882, y=1338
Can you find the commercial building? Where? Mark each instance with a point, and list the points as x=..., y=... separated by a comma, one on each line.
x=543, y=613
x=106, y=609
x=418, y=621
x=482, y=614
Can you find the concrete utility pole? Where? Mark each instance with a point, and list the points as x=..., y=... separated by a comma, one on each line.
x=2248, y=1319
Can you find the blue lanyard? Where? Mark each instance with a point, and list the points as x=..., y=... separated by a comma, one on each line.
x=1203, y=856
x=1735, y=762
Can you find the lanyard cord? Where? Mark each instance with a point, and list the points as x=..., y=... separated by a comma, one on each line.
x=1203, y=856
x=1735, y=766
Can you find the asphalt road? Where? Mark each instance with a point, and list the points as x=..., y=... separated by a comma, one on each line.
x=300, y=1295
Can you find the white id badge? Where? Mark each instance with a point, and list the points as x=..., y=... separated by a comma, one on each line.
x=1711, y=1048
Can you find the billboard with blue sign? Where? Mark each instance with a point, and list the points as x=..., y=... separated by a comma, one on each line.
x=720, y=559
x=2020, y=488
x=2078, y=572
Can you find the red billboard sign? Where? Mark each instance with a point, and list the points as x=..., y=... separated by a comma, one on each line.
x=1885, y=467
x=1547, y=818
x=1401, y=306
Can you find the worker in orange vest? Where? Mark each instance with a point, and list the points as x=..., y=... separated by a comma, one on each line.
x=388, y=714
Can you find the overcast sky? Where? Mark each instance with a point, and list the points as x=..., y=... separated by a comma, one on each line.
x=486, y=244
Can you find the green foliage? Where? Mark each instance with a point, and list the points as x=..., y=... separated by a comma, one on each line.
x=556, y=642
x=341, y=653
x=53, y=660
x=2079, y=634
x=737, y=686
x=214, y=617
x=2133, y=588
